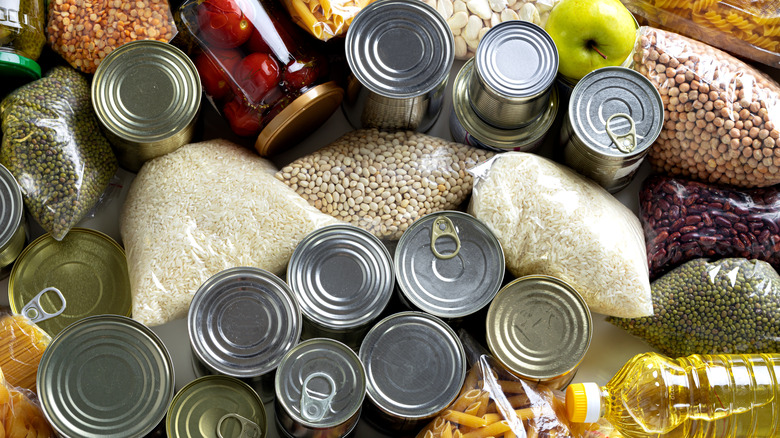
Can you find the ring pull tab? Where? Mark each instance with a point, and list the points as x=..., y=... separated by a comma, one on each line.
x=625, y=143
x=442, y=226
x=34, y=311
x=249, y=429
x=312, y=408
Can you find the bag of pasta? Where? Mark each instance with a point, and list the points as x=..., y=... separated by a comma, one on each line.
x=324, y=19
x=20, y=415
x=22, y=344
x=748, y=28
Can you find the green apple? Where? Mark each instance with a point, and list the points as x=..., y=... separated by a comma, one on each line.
x=590, y=34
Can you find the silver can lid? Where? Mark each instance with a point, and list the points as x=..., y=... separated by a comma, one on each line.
x=105, y=375
x=399, y=48
x=415, y=365
x=611, y=92
x=449, y=264
x=320, y=383
x=11, y=206
x=242, y=321
x=342, y=276
x=517, y=59
x=146, y=91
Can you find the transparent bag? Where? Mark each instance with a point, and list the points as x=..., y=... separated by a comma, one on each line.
x=20, y=413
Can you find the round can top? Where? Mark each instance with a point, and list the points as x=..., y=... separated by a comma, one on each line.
x=517, y=59
x=538, y=327
x=105, y=376
x=400, y=48
x=415, y=365
x=86, y=266
x=242, y=321
x=320, y=383
x=11, y=206
x=213, y=402
x=342, y=276
x=146, y=91
x=611, y=91
x=449, y=264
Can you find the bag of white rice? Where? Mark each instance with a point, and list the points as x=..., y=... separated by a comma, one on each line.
x=553, y=221
x=199, y=210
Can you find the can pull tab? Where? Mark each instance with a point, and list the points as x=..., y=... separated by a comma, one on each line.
x=34, y=311
x=625, y=143
x=443, y=226
x=314, y=408
x=249, y=429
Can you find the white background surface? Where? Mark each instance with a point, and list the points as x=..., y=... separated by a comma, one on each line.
x=610, y=347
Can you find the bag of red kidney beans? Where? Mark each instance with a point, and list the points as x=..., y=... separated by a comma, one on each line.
x=683, y=220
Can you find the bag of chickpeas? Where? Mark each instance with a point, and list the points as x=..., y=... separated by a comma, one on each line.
x=720, y=114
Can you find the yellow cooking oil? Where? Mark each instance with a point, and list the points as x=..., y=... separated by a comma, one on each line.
x=698, y=396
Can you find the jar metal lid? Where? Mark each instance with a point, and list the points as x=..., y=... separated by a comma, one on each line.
x=399, y=48
x=11, y=206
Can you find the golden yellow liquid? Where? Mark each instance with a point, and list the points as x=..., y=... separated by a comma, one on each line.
x=723, y=396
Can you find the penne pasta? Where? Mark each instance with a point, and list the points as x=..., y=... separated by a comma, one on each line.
x=465, y=419
x=326, y=8
x=465, y=400
x=498, y=428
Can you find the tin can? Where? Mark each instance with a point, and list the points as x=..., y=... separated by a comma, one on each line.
x=615, y=114
x=342, y=277
x=105, y=375
x=539, y=328
x=13, y=230
x=400, y=53
x=146, y=96
x=216, y=406
x=467, y=127
x=449, y=264
x=320, y=387
x=415, y=367
x=86, y=266
x=241, y=322
x=515, y=67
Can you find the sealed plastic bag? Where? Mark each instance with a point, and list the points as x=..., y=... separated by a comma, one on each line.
x=324, y=19
x=22, y=345
x=54, y=148
x=20, y=414
x=720, y=115
x=684, y=220
x=553, y=221
x=202, y=209
x=748, y=28
x=729, y=306
x=382, y=181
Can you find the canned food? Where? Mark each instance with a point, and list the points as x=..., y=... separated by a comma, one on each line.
x=515, y=67
x=146, y=96
x=342, y=277
x=241, y=322
x=87, y=267
x=216, y=406
x=415, y=366
x=539, y=328
x=468, y=128
x=105, y=375
x=615, y=114
x=320, y=386
x=13, y=233
x=449, y=264
x=400, y=53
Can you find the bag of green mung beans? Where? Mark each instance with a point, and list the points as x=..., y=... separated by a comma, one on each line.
x=702, y=307
x=54, y=148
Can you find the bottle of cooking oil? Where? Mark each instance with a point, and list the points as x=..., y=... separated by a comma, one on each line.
x=734, y=396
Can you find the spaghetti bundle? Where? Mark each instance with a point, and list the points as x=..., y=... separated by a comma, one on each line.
x=21, y=346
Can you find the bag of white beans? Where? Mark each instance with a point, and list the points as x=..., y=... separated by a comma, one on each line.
x=384, y=181
x=552, y=221
x=720, y=115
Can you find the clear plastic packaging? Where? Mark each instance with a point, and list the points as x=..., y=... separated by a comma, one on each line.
x=720, y=114
x=324, y=19
x=21, y=346
x=53, y=146
x=199, y=210
x=684, y=220
x=553, y=221
x=20, y=413
x=726, y=306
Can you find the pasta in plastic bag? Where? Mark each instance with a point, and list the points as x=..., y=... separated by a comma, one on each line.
x=324, y=19
x=199, y=210
x=20, y=414
x=22, y=345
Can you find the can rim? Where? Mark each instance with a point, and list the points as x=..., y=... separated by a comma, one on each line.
x=17, y=204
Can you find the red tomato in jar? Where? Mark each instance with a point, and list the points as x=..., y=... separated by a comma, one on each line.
x=257, y=74
x=299, y=74
x=214, y=70
x=223, y=24
x=243, y=119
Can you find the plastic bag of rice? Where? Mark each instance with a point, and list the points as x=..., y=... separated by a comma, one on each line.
x=199, y=210
x=553, y=221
